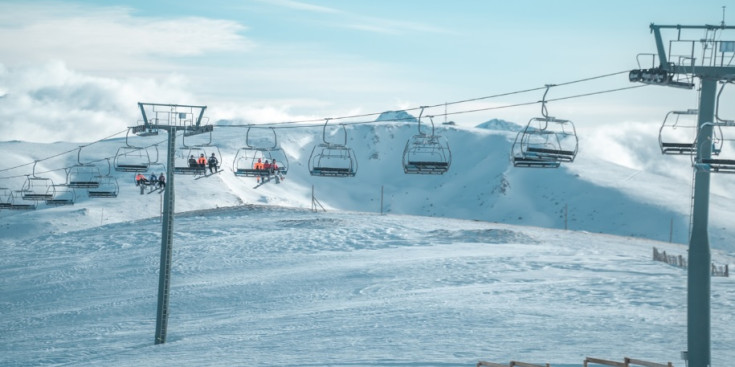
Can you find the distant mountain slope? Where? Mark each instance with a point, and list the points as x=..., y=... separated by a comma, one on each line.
x=587, y=195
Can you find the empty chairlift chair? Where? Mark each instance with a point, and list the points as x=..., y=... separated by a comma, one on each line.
x=678, y=134
x=244, y=164
x=331, y=159
x=17, y=202
x=545, y=142
x=37, y=188
x=132, y=158
x=82, y=175
x=722, y=146
x=108, y=186
x=63, y=195
x=426, y=153
x=5, y=198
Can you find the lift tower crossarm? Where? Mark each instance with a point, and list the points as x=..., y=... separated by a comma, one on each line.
x=671, y=67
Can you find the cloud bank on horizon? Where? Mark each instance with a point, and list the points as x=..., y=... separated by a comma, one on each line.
x=72, y=71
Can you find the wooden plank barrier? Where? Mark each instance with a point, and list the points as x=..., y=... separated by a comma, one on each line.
x=638, y=362
x=604, y=362
x=490, y=364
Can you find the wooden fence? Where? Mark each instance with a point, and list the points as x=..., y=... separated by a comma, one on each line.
x=681, y=261
x=627, y=362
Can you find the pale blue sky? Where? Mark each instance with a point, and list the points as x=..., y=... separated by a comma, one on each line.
x=285, y=60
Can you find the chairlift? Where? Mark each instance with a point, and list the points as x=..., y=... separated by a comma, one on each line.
x=155, y=165
x=63, y=195
x=332, y=160
x=108, y=186
x=131, y=158
x=37, y=188
x=5, y=198
x=725, y=162
x=17, y=202
x=678, y=134
x=246, y=158
x=725, y=158
x=182, y=163
x=426, y=154
x=545, y=142
x=82, y=175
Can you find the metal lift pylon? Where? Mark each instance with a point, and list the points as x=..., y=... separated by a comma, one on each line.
x=168, y=117
x=712, y=67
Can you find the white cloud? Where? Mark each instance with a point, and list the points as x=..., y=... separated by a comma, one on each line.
x=298, y=5
x=108, y=39
x=387, y=26
x=53, y=103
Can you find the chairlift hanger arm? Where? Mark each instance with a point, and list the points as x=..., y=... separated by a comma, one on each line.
x=421, y=113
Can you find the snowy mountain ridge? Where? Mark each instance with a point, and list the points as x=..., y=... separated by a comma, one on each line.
x=588, y=194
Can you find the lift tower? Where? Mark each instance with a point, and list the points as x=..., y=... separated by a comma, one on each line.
x=171, y=118
x=712, y=60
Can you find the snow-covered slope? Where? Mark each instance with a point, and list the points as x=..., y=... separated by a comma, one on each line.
x=267, y=286
x=590, y=194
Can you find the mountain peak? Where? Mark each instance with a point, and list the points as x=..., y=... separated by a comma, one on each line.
x=498, y=124
x=400, y=115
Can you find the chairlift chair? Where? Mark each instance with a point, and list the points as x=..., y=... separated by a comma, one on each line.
x=63, y=195
x=82, y=175
x=181, y=162
x=5, y=198
x=246, y=158
x=108, y=187
x=37, y=188
x=131, y=158
x=17, y=202
x=332, y=160
x=545, y=142
x=725, y=161
x=678, y=134
x=426, y=154
x=721, y=160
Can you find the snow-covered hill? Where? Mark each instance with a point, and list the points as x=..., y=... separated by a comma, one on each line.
x=590, y=194
x=259, y=279
x=268, y=286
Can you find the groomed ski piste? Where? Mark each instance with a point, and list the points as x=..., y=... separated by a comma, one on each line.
x=467, y=266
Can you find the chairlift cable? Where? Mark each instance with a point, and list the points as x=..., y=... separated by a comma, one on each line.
x=67, y=152
x=301, y=122
x=430, y=106
x=60, y=154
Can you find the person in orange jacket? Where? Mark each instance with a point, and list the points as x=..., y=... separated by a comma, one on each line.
x=140, y=179
x=202, y=161
x=258, y=166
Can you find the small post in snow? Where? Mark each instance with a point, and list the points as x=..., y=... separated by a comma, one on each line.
x=381, y=199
